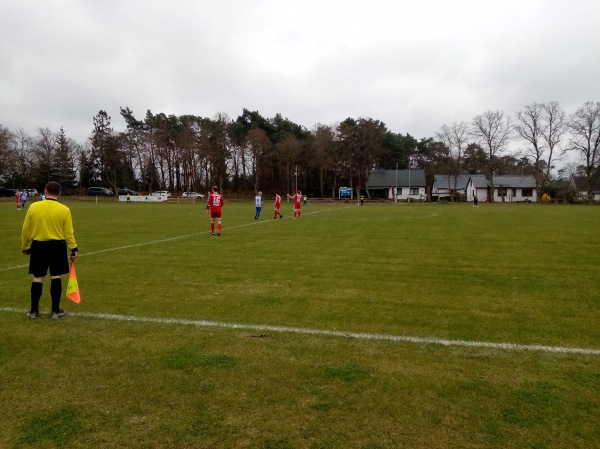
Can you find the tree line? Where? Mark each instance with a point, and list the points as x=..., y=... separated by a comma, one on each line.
x=251, y=152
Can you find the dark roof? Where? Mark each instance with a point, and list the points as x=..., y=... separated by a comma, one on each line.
x=527, y=182
x=452, y=181
x=387, y=178
x=479, y=181
x=581, y=184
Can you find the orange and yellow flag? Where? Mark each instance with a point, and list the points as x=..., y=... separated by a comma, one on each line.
x=72, y=287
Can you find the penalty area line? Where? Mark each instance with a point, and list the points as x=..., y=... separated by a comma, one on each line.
x=325, y=332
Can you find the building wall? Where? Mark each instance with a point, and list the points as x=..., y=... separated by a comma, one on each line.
x=481, y=194
x=403, y=193
x=436, y=192
x=513, y=195
x=471, y=191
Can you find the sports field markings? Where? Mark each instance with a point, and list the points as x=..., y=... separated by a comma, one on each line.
x=170, y=239
x=325, y=332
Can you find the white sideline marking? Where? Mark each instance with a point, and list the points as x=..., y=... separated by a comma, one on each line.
x=301, y=330
x=170, y=239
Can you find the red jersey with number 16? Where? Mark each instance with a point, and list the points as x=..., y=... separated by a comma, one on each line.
x=215, y=202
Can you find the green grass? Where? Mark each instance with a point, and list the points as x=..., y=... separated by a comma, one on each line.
x=523, y=274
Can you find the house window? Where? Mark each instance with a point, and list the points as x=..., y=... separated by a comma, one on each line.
x=414, y=191
x=501, y=191
x=514, y=192
x=399, y=191
x=527, y=192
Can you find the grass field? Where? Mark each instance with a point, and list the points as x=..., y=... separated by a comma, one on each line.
x=382, y=326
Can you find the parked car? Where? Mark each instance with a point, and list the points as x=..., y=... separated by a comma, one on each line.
x=126, y=191
x=31, y=192
x=7, y=192
x=161, y=193
x=99, y=191
x=198, y=196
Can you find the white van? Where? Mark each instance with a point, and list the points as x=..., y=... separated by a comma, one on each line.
x=198, y=196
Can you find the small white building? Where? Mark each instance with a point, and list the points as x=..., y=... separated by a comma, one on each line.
x=580, y=186
x=514, y=189
x=403, y=184
x=449, y=185
x=478, y=186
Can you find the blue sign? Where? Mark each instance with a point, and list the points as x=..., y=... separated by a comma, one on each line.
x=345, y=192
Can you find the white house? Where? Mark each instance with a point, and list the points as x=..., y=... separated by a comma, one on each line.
x=513, y=189
x=477, y=185
x=446, y=185
x=580, y=186
x=403, y=184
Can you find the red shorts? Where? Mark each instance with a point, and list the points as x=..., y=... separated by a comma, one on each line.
x=215, y=213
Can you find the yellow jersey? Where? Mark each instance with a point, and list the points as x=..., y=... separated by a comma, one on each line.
x=48, y=220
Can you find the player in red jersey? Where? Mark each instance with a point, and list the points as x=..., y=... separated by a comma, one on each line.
x=297, y=200
x=19, y=197
x=277, y=205
x=214, y=204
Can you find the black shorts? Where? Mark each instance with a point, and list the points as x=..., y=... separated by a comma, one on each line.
x=50, y=255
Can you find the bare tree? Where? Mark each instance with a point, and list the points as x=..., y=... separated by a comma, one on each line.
x=584, y=125
x=257, y=144
x=542, y=126
x=288, y=149
x=530, y=128
x=493, y=129
x=45, y=147
x=23, y=145
x=555, y=130
x=7, y=154
x=456, y=139
x=324, y=148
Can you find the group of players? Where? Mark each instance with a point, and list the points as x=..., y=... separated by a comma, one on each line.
x=215, y=202
x=21, y=198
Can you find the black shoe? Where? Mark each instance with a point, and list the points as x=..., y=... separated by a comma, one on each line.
x=218, y=234
x=58, y=314
x=32, y=314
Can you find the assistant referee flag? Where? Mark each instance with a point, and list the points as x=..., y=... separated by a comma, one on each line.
x=72, y=286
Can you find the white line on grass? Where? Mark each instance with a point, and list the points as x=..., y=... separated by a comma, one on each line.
x=301, y=330
x=170, y=239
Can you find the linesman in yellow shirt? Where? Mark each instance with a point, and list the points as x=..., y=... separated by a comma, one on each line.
x=47, y=232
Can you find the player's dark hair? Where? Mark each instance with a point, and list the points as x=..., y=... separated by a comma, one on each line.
x=53, y=188
x=215, y=189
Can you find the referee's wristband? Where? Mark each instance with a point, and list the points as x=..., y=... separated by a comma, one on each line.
x=74, y=250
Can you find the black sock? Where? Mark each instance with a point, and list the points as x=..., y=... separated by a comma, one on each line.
x=36, y=294
x=55, y=292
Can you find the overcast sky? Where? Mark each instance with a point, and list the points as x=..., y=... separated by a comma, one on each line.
x=414, y=65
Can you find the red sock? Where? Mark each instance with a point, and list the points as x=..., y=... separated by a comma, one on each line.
x=219, y=227
x=212, y=228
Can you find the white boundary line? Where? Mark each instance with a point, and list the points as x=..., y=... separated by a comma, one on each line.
x=170, y=239
x=330, y=333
